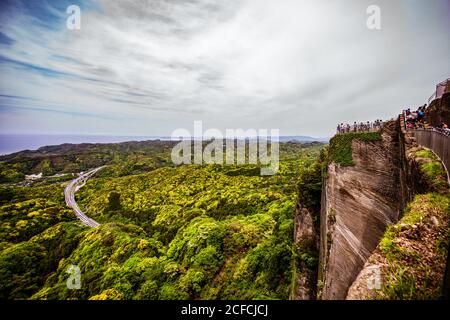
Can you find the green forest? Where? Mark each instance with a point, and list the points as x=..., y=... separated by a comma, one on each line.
x=167, y=232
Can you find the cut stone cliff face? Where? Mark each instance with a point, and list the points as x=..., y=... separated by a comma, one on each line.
x=358, y=203
x=410, y=260
x=305, y=238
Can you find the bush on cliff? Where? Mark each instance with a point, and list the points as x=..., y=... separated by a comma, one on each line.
x=340, y=150
x=415, y=250
x=432, y=169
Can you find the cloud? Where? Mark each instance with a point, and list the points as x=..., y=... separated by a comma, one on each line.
x=297, y=65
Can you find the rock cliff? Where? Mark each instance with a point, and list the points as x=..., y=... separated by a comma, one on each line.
x=306, y=243
x=439, y=111
x=410, y=260
x=384, y=201
x=358, y=203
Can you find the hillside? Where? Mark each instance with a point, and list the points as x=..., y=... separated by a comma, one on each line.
x=167, y=232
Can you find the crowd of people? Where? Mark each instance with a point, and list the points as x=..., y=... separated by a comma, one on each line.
x=416, y=120
x=413, y=120
x=360, y=127
x=443, y=129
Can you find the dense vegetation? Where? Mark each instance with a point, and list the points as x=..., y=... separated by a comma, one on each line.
x=306, y=248
x=340, y=150
x=167, y=232
x=126, y=158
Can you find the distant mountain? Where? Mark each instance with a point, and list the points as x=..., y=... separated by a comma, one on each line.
x=18, y=143
x=303, y=139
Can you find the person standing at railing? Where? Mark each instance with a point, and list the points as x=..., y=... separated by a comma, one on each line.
x=420, y=114
x=361, y=127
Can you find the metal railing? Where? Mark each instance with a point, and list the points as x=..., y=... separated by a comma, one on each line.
x=438, y=142
x=445, y=132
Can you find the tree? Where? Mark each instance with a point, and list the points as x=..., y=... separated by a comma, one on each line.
x=114, y=201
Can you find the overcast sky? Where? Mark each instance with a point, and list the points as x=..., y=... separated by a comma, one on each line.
x=150, y=67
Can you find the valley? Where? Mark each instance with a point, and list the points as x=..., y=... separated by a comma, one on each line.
x=166, y=231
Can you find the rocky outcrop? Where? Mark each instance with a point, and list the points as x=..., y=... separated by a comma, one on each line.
x=305, y=242
x=439, y=111
x=358, y=203
x=410, y=260
x=365, y=191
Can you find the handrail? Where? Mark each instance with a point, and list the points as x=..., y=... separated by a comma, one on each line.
x=442, y=150
x=433, y=129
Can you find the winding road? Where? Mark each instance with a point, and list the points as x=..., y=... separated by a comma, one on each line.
x=69, y=194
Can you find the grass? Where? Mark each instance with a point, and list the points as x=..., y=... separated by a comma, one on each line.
x=432, y=169
x=424, y=153
x=400, y=285
x=340, y=150
x=409, y=247
x=415, y=248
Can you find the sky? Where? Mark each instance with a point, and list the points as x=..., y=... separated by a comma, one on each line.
x=150, y=67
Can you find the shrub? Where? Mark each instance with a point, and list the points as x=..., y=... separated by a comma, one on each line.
x=340, y=150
